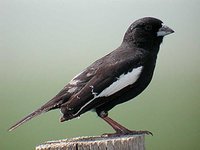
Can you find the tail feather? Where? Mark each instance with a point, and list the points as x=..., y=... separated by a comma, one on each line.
x=52, y=104
x=27, y=118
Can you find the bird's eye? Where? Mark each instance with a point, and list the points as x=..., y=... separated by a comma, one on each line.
x=148, y=27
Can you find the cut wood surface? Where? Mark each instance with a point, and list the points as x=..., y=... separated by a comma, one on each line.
x=125, y=142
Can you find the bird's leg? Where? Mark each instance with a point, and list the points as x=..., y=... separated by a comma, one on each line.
x=120, y=130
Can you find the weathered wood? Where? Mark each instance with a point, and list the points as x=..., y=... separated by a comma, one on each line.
x=126, y=142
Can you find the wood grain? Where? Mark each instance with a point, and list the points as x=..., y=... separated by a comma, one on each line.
x=126, y=142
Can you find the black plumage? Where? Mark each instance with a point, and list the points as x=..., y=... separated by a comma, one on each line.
x=115, y=78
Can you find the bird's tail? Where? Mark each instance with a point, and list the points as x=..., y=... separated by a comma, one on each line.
x=52, y=104
x=27, y=118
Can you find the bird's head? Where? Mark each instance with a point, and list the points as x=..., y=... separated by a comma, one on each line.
x=146, y=33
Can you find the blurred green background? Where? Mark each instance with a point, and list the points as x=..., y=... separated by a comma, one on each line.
x=44, y=43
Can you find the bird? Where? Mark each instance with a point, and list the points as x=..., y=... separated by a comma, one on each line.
x=113, y=79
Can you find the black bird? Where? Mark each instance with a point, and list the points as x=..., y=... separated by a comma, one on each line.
x=113, y=79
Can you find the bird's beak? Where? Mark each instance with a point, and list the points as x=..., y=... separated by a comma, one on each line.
x=164, y=30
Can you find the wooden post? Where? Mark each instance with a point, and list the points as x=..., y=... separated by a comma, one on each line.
x=126, y=142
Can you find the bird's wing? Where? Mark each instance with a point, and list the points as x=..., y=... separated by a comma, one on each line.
x=72, y=87
x=109, y=77
x=60, y=98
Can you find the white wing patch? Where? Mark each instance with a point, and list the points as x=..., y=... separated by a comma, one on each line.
x=71, y=90
x=123, y=81
x=74, y=82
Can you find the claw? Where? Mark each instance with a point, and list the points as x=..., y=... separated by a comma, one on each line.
x=117, y=134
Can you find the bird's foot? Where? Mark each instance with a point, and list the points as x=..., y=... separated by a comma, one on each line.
x=121, y=130
x=127, y=132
